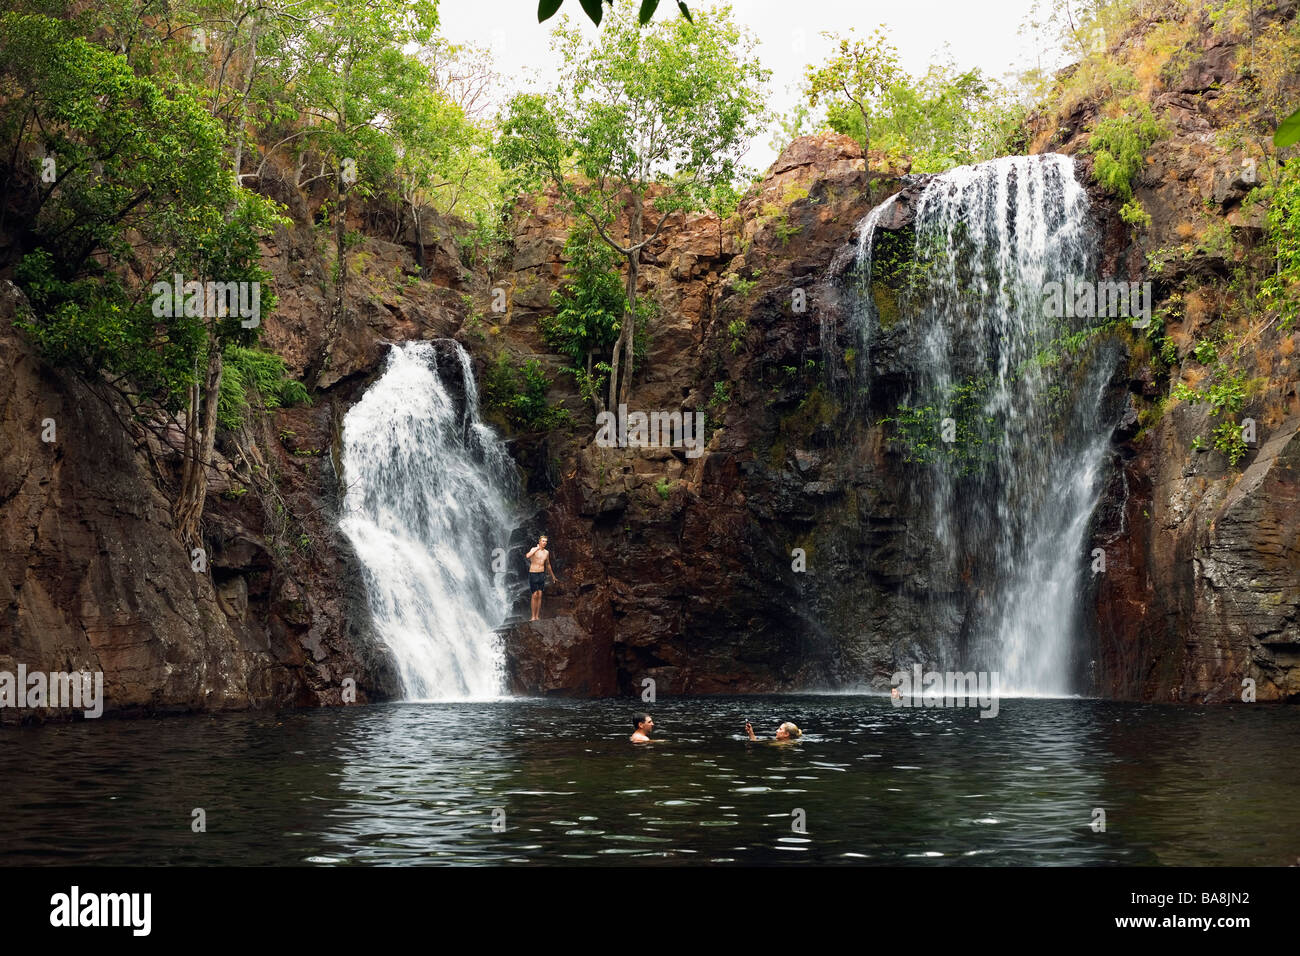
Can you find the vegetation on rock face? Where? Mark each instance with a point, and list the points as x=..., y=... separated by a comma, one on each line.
x=257, y=373
x=138, y=147
x=1228, y=279
x=133, y=141
x=660, y=113
x=123, y=160
x=1119, y=143
x=589, y=308
x=518, y=393
x=1281, y=290
x=956, y=428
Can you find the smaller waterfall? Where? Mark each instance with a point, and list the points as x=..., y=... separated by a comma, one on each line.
x=863, y=320
x=429, y=500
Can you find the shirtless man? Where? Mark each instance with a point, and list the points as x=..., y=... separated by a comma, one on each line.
x=642, y=724
x=539, y=565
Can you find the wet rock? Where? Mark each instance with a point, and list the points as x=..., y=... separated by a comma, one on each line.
x=557, y=656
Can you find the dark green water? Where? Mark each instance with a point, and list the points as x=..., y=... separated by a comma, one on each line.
x=418, y=783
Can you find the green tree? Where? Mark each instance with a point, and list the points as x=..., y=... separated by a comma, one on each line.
x=595, y=9
x=133, y=185
x=589, y=305
x=353, y=83
x=855, y=77
x=662, y=113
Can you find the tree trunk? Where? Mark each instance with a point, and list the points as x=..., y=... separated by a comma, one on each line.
x=340, y=241
x=242, y=116
x=621, y=368
x=419, y=240
x=198, y=448
x=629, y=335
x=201, y=437
x=341, y=257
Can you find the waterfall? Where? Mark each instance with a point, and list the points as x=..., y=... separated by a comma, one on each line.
x=1004, y=419
x=429, y=499
x=864, y=319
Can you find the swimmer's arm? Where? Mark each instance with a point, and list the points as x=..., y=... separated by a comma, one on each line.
x=750, y=730
x=550, y=571
x=532, y=552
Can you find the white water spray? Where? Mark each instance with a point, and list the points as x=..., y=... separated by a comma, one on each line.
x=429, y=492
x=1013, y=496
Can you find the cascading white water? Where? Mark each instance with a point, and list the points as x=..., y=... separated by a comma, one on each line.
x=429, y=497
x=864, y=320
x=1013, y=494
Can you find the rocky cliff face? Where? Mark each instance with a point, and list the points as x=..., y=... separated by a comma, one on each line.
x=1202, y=588
x=94, y=577
x=686, y=565
x=784, y=555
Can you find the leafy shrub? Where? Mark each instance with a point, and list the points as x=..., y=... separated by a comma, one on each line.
x=1282, y=289
x=261, y=374
x=1119, y=144
x=589, y=304
x=519, y=393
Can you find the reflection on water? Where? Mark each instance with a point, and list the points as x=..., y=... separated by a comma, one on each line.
x=423, y=783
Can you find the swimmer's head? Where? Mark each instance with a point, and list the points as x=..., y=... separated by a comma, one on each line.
x=788, y=731
x=642, y=722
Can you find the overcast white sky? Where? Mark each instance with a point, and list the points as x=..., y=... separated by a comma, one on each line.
x=978, y=33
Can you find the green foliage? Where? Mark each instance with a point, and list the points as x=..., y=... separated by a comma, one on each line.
x=898, y=264
x=742, y=286
x=721, y=394
x=723, y=199
x=257, y=373
x=1135, y=214
x=519, y=393
x=672, y=105
x=1225, y=393
x=664, y=487
x=1206, y=352
x=941, y=119
x=1281, y=290
x=590, y=302
x=444, y=149
x=1080, y=35
x=595, y=9
x=737, y=329
x=850, y=82
x=1228, y=439
x=919, y=429
x=136, y=163
x=946, y=118
x=1119, y=143
x=1288, y=131
x=591, y=385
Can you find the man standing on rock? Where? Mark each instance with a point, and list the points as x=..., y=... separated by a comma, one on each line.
x=539, y=565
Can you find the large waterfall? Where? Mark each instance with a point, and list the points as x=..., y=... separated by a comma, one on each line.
x=1005, y=415
x=429, y=500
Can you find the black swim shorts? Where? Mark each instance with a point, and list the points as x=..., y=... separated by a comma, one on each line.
x=537, y=580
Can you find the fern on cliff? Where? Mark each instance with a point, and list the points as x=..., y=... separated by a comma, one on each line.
x=260, y=374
